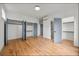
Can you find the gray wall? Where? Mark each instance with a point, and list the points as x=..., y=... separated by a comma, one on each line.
x=47, y=27
x=58, y=30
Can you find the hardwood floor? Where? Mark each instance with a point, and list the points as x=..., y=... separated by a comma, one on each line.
x=38, y=46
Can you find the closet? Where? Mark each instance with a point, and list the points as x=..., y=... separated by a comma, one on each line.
x=68, y=28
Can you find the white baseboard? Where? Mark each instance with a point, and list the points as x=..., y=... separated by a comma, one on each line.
x=1, y=47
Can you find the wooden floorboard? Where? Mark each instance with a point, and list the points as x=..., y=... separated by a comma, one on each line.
x=39, y=47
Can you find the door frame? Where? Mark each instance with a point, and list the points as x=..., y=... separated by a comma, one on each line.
x=14, y=22
x=41, y=30
x=52, y=30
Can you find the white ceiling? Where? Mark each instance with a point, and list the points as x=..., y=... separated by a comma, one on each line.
x=45, y=8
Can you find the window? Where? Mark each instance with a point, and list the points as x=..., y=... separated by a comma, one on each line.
x=3, y=14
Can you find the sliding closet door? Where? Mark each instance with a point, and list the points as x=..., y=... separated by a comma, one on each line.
x=57, y=30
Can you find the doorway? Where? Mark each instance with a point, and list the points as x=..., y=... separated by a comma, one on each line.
x=52, y=30
x=41, y=29
x=7, y=30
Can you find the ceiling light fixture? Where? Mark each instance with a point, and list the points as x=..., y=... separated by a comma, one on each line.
x=37, y=8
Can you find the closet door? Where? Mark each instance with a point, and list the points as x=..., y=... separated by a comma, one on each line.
x=57, y=30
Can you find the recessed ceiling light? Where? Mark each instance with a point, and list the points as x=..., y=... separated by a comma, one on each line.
x=37, y=8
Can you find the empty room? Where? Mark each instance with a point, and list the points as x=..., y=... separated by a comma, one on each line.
x=39, y=29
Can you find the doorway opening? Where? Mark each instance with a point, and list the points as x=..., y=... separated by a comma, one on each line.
x=8, y=30
x=41, y=30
